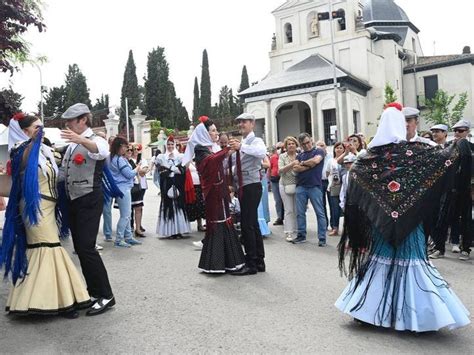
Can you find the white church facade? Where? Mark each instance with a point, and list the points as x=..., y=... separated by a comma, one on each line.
x=375, y=43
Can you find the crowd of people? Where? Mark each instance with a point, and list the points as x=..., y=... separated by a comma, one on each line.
x=385, y=190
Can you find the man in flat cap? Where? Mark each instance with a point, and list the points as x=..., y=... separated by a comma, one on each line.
x=461, y=129
x=251, y=151
x=440, y=134
x=82, y=168
x=411, y=118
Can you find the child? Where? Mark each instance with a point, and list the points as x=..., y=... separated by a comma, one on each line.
x=234, y=207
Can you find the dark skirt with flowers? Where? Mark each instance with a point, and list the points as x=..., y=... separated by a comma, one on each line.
x=197, y=209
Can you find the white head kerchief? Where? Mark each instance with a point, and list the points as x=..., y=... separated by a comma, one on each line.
x=392, y=128
x=16, y=135
x=200, y=136
x=174, y=152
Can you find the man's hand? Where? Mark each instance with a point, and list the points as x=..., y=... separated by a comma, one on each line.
x=71, y=137
x=234, y=144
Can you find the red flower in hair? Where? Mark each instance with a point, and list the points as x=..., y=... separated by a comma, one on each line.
x=397, y=105
x=139, y=147
x=18, y=116
x=203, y=119
x=79, y=159
x=171, y=138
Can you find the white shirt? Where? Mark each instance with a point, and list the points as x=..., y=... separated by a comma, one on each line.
x=102, y=145
x=417, y=138
x=256, y=148
x=342, y=194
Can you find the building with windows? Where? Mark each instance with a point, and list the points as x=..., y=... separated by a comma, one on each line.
x=374, y=43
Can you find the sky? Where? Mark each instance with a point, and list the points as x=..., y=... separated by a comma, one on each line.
x=98, y=34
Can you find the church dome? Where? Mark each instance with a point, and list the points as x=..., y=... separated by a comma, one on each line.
x=383, y=10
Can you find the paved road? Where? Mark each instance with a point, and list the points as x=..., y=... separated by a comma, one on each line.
x=165, y=305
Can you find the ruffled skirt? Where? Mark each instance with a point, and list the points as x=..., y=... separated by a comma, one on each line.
x=402, y=290
x=221, y=250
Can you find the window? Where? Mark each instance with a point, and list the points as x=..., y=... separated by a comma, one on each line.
x=330, y=126
x=288, y=33
x=413, y=44
x=431, y=86
x=356, y=121
x=340, y=17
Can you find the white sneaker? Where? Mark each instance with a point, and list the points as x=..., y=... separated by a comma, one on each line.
x=436, y=255
x=99, y=247
x=198, y=245
x=456, y=249
x=289, y=237
x=464, y=256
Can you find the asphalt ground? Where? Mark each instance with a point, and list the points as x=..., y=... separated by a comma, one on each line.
x=164, y=304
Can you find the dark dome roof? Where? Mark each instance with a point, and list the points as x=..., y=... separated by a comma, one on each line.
x=383, y=10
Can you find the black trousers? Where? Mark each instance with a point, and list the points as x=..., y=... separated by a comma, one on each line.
x=84, y=219
x=253, y=240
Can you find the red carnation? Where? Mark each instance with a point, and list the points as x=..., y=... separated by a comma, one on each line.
x=171, y=138
x=79, y=159
x=393, y=186
x=18, y=116
x=397, y=105
x=9, y=168
x=203, y=119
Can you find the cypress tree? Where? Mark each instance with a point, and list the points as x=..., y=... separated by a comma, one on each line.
x=244, y=80
x=205, y=99
x=196, y=100
x=157, y=86
x=54, y=102
x=129, y=89
x=76, y=87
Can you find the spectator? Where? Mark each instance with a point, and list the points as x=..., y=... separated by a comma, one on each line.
x=325, y=182
x=275, y=181
x=308, y=186
x=348, y=161
x=440, y=134
x=287, y=187
x=333, y=172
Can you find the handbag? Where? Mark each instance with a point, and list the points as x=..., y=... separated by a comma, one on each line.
x=5, y=185
x=173, y=192
x=290, y=189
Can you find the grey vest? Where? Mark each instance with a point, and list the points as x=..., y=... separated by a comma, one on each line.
x=84, y=178
x=251, y=167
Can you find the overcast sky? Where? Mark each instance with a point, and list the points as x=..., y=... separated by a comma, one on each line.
x=97, y=35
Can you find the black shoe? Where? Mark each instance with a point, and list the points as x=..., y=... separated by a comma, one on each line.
x=261, y=267
x=278, y=222
x=245, y=271
x=101, y=306
x=142, y=229
x=70, y=315
x=139, y=235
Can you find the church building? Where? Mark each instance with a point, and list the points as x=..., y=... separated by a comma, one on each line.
x=374, y=43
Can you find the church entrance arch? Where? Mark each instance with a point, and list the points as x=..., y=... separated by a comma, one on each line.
x=292, y=119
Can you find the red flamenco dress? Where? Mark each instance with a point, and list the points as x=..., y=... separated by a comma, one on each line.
x=221, y=250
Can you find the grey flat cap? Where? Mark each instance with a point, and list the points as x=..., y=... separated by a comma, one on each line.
x=462, y=124
x=246, y=116
x=75, y=111
x=350, y=158
x=410, y=112
x=441, y=127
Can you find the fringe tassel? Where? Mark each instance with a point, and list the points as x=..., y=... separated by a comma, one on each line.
x=30, y=183
x=62, y=211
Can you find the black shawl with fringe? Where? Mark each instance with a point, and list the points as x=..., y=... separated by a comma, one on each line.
x=392, y=189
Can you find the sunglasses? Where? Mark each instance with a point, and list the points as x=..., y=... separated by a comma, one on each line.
x=458, y=130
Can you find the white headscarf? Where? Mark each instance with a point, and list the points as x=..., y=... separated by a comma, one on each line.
x=16, y=135
x=174, y=152
x=392, y=128
x=200, y=136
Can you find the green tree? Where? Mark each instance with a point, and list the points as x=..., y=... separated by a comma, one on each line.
x=205, y=99
x=129, y=89
x=76, y=87
x=100, y=110
x=439, y=110
x=244, y=80
x=10, y=103
x=196, y=100
x=54, y=102
x=157, y=88
x=182, y=117
x=389, y=94
x=16, y=16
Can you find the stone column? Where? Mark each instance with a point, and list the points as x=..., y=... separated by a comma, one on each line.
x=315, y=129
x=137, y=120
x=112, y=124
x=344, y=113
x=145, y=128
x=270, y=132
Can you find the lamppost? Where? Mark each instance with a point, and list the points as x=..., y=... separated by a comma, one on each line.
x=42, y=89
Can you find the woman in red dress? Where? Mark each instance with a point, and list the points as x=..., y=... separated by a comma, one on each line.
x=221, y=250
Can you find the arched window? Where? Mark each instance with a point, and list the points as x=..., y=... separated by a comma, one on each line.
x=288, y=33
x=341, y=19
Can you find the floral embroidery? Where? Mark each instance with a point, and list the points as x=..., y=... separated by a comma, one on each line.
x=409, y=153
x=393, y=186
x=374, y=165
x=375, y=177
x=447, y=162
x=394, y=214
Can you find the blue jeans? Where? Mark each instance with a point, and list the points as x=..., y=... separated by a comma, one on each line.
x=107, y=218
x=335, y=210
x=315, y=195
x=124, y=230
x=278, y=200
